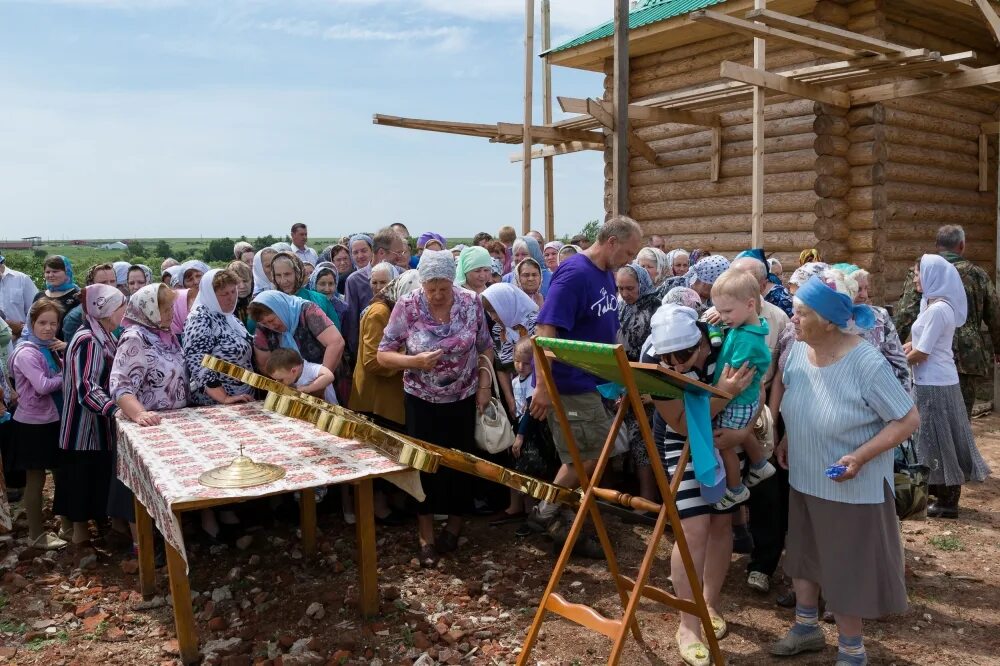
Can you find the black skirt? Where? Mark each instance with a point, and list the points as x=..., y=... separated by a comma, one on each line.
x=82, y=482
x=35, y=446
x=450, y=424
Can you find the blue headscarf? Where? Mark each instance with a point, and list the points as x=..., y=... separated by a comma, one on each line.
x=359, y=237
x=646, y=285
x=534, y=249
x=322, y=268
x=288, y=309
x=833, y=306
x=758, y=254
x=68, y=284
x=846, y=269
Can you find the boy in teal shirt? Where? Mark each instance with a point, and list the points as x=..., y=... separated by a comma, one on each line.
x=736, y=297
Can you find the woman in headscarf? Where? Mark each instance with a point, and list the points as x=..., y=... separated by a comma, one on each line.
x=527, y=247
x=513, y=314
x=121, y=273
x=774, y=265
x=638, y=299
x=294, y=323
x=809, y=256
x=245, y=289
x=288, y=275
x=774, y=292
x=685, y=296
x=473, y=269
x=650, y=261
x=169, y=275
x=568, y=251
x=262, y=280
x=703, y=275
x=213, y=329
x=190, y=281
x=242, y=249
x=436, y=335
x=944, y=442
x=527, y=276
x=324, y=280
x=678, y=262
x=551, y=254
x=137, y=277
x=59, y=285
x=36, y=367
x=88, y=433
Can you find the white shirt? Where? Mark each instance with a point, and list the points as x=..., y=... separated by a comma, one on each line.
x=522, y=391
x=932, y=334
x=307, y=254
x=17, y=292
x=310, y=371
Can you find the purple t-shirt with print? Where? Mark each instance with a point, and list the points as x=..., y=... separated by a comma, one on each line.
x=582, y=304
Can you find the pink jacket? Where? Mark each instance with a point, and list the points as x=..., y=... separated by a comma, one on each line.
x=34, y=382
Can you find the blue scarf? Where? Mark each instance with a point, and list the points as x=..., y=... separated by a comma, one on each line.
x=758, y=254
x=350, y=246
x=45, y=346
x=68, y=284
x=833, y=306
x=288, y=309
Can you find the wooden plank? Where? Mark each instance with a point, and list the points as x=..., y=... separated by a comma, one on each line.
x=526, y=141
x=445, y=126
x=600, y=114
x=180, y=590
x=847, y=38
x=620, y=98
x=984, y=164
x=547, y=163
x=583, y=615
x=762, y=31
x=757, y=130
x=957, y=81
x=640, y=112
x=144, y=532
x=783, y=84
x=367, y=559
x=558, y=149
x=716, y=166
x=549, y=133
x=307, y=521
x=990, y=14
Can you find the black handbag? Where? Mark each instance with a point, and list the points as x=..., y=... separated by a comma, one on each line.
x=910, y=482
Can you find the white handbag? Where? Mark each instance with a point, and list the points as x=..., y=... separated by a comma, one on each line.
x=493, y=431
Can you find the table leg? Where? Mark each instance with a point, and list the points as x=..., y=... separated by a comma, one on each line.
x=364, y=509
x=307, y=520
x=180, y=590
x=147, y=570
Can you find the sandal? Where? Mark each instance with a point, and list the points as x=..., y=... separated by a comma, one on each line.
x=693, y=654
x=48, y=541
x=719, y=626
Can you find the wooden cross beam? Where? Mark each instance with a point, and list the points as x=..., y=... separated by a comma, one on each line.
x=783, y=84
x=834, y=35
x=763, y=31
x=990, y=14
x=542, y=132
x=607, y=118
x=640, y=112
x=558, y=149
x=912, y=87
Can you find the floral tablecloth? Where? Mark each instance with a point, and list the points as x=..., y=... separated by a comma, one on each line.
x=161, y=464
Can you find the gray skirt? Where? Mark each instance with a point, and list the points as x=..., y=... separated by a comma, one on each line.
x=945, y=442
x=852, y=550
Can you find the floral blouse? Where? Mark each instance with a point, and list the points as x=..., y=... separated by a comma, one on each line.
x=311, y=325
x=780, y=296
x=208, y=332
x=149, y=369
x=413, y=330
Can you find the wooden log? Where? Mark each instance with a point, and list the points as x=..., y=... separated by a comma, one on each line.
x=728, y=224
x=782, y=182
x=938, y=158
x=866, y=198
x=831, y=186
x=832, y=251
x=908, y=36
x=921, y=174
x=869, y=152
x=932, y=32
x=785, y=162
x=789, y=241
x=871, y=24
x=868, y=175
x=897, y=191
x=906, y=250
x=860, y=7
x=778, y=202
x=729, y=150
x=906, y=136
x=929, y=123
x=686, y=51
x=831, y=13
x=938, y=108
x=831, y=208
x=979, y=234
x=822, y=109
x=831, y=145
x=866, y=219
x=830, y=165
x=869, y=114
x=873, y=262
x=831, y=228
x=703, y=137
x=868, y=240
x=834, y=125
x=939, y=213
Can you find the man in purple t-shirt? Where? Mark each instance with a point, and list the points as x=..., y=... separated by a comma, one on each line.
x=582, y=305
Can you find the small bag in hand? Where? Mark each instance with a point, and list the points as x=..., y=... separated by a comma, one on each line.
x=493, y=431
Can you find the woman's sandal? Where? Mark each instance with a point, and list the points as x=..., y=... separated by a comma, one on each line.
x=693, y=654
x=719, y=626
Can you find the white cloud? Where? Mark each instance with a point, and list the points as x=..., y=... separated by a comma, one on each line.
x=445, y=38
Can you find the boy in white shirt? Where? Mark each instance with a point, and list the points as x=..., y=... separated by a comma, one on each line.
x=289, y=368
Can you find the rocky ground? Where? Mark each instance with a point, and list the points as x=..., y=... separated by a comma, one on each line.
x=262, y=602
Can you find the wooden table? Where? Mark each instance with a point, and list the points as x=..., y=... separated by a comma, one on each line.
x=161, y=466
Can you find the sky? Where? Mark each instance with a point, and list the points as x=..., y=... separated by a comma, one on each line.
x=191, y=118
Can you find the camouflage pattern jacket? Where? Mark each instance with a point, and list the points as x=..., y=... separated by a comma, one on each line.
x=971, y=355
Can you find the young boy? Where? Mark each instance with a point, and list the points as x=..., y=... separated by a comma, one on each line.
x=736, y=296
x=522, y=388
x=288, y=367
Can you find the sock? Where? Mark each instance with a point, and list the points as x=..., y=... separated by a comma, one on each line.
x=547, y=510
x=806, y=620
x=736, y=490
x=761, y=465
x=852, y=649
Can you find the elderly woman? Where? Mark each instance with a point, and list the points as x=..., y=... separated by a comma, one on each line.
x=529, y=276
x=59, y=285
x=550, y=252
x=638, y=299
x=525, y=248
x=187, y=282
x=844, y=412
x=774, y=265
x=262, y=279
x=293, y=323
x=382, y=274
x=88, y=433
x=678, y=262
x=325, y=281
x=213, y=329
x=473, y=269
x=568, y=251
x=703, y=274
x=679, y=341
x=513, y=313
x=654, y=262
x=96, y=274
x=36, y=367
x=945, y=442
x=438, y=336
x=289, y=277
x=773, y=292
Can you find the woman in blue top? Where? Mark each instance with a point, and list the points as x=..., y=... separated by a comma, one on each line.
x=844, y=412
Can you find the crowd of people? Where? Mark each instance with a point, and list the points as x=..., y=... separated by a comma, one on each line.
x=420, y=337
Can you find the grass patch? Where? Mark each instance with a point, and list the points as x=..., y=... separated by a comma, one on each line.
x=4, y=600
x=947, y=543
x=10, y=627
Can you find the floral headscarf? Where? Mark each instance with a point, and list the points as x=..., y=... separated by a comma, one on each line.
x=297, y=267
x=802, y=274
x=144, y=310
x=99, y=302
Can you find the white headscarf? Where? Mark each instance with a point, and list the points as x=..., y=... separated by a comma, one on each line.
x=207, y=299
x=940, y=280
x=260, y=281
x=673, y=254
x=121, y=271
x=511, y=305
x=436, y=265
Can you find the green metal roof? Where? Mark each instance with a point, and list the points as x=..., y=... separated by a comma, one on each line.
x=647, y=12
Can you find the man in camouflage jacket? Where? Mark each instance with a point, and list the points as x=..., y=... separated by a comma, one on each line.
x=971, y=356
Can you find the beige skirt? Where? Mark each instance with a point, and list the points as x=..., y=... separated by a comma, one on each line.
x=852, y=550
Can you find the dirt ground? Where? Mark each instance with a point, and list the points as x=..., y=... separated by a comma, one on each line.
x=267, y=604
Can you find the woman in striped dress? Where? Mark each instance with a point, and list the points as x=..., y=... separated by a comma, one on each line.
x=679, y=341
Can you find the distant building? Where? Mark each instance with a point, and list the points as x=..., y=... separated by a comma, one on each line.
x=34, y=240
x=15, y=245
x=117, y=245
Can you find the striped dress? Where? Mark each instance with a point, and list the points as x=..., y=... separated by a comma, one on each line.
x=88, y=410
